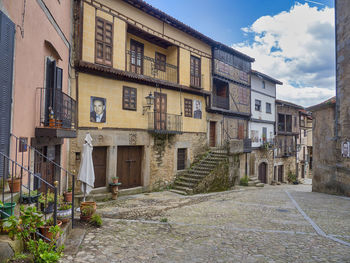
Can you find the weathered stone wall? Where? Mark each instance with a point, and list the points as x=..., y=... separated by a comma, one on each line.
x=289, y=165
x=163, y=157
x=159, y=160
x=259, y=156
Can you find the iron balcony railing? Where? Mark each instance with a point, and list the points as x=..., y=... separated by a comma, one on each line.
x=221, y=102
x=57, y=109
x=143, y=65
x=164, y=123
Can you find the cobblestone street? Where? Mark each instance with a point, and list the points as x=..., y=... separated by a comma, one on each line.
x=273, y=224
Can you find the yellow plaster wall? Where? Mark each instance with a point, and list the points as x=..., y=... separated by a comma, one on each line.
x=104, y=15
x=116, y=117
x=119, y=40
x=184, y=67
x=88, y=49
x=205, y=68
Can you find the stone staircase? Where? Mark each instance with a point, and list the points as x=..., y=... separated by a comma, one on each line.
x=186, y=181
x=254, y=181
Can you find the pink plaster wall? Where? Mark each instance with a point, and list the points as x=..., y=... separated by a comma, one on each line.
x=29, y=58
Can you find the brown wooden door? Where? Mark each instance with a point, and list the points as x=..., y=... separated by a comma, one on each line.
x=160, y=111
x=129, y=166
x=212, y=134
x=262, y=173
x=99, y=158
x=136, y=57
x=302, y=171
x=280, y=173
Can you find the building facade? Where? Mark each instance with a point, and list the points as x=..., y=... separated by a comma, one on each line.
x=36, y=107
x=229, y=105
x=286, y=139
x=262, y=125
x=142, y=82
x=305, y=145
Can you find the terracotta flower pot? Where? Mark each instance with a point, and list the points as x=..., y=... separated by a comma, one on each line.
x=88, y=203
x=68, y=196
x=44, y=230
x=15, y=185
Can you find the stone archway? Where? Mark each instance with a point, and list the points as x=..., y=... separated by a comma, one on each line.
x=262, y=172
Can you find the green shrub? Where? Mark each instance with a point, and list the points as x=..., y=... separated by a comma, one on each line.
x=244, y=181
x=164, y=220
x=96, y=220
x=291, y=177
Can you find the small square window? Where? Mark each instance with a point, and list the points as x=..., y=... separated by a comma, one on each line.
x=258, y=105
x=263, y=84
x=188, y=108
x=129, y=98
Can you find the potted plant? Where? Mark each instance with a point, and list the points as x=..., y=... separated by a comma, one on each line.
x=115, y=179
x=86, y=213
x=47, y=202
x=6, y=209
x=31, y=197
x=64, y=213
x=15, y=183
x=88, y=203
x=68, y=195
x=45, y=229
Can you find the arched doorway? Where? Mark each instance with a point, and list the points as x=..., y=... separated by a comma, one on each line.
x=263, y=173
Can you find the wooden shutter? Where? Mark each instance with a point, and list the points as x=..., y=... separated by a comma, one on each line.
x=104, y=42
x=240, y=131
x=188, y=108
x=129, y=98
x=160, y=61
x=195, y=71
x=7, y=33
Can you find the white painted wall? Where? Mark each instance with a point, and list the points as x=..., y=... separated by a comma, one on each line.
x=258, y=127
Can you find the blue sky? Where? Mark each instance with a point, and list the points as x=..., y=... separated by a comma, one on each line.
x=292, y=41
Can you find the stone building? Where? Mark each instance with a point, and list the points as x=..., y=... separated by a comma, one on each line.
x=229, y=105
x=262, y=125
x=331, y=119
x=142, y=81
x=305, y=145
x=287, y=133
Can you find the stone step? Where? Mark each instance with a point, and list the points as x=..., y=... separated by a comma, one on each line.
x=253, y=178
x=190, y=179
x=199, y=172
x=184, y=183
x=183, y=188
x=178, y=192
x=251, y=184
x=199, y=177
x=260, y=185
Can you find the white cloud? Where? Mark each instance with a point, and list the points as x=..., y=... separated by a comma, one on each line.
x=298, y=48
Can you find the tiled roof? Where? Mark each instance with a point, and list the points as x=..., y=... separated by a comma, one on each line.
x=324, y=104
x=271, y=79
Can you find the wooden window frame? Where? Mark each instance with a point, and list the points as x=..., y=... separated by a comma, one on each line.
x=267, y=103
x=125, y=107
x=104, y=43
x=188, y=111
x=193, y=72
x=160, y=64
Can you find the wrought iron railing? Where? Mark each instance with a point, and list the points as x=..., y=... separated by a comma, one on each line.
x=39, y=178
x=221, y=102
x=164, y=122
x=147, y=66
x=57, y=109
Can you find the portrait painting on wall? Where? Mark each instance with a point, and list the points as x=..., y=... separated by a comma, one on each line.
x=197, y=109
x=97, y=109
x=346, y=149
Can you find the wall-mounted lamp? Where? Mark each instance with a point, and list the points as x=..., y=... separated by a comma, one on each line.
x=149, y=103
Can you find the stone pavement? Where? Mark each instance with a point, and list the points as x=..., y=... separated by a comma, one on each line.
x=284, y=223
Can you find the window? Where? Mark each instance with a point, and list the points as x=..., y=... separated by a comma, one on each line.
x=136, y=57
x=263, y=84
x=305, y=133
x=268, y=107
x=160, y=62
x=129, y=98
x=264, y=134
x=188, y=108
x=284, y=123
x=195, y=71
x=258, y=105
x=295, y=121
x=104, y=42
x=243, y=96
x=181, y=158
x=289, y=123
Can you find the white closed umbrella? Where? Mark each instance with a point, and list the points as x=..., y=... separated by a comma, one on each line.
x=86, y=172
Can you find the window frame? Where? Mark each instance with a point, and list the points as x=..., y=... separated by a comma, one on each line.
x=188, y=112
x=103, y=60
x=181, y=165
x=259, y=104
x=129, y=97
x=160, y=64
x=270, y=111
x=193, y=74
